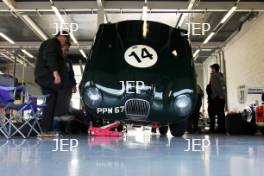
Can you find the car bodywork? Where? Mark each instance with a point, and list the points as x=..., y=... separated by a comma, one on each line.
x=139, y=71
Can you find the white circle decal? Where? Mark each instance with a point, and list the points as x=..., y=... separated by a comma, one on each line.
x=141, y=56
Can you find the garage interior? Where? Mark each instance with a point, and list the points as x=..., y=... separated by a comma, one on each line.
x=227, y=32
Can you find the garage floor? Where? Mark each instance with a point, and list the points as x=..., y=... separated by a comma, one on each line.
x=140, y=153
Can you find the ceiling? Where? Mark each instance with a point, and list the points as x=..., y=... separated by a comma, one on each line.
x=87, y=14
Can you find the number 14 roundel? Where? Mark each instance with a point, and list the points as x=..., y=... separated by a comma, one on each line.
x=141, y=56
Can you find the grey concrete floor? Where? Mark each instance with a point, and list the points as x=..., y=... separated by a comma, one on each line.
x=137, y=154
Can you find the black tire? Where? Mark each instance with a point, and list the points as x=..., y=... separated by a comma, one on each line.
x=235, y=124
x=252, y=129
x=262, y=130
x=120, y=128
x=163, y=130
x=178, y=129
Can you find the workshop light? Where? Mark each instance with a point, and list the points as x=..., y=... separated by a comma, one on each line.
x=57, y=13
x=27, y=53
x=7, y=57
x=145, y=29
x=181, y=20
x=35, y=27
x=206, y=49
x=6, y=38
x=13, y=58
x=9, y=5
x=73, y=38
x=27, y=19
x=25, y=61
x=228, y=14
x=190, y=6
x=144, y=18
x=196, y=53
x=209, y=37
x=144, y=12
x=83, y=53
x=18, y=60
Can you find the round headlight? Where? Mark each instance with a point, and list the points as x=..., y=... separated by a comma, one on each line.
x=92, y=97
x=183, y=105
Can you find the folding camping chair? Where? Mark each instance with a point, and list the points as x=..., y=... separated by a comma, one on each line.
x=37, y=104
x=26, y=113
x=7, y=96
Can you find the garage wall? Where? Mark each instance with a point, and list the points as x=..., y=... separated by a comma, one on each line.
x=245, y=61
x=199, y=73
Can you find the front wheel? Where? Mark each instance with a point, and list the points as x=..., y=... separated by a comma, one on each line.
x=262, y=130
x=178, y=129
x=163, y=130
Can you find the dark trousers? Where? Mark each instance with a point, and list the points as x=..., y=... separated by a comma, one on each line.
x=194, y=119
x=48, y=88
x=217, y=108
x=211, y=116
x=63, y=101
x=63, y=108
x=197, y=115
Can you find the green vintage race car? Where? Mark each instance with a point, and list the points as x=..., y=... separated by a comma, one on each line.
x=140, y=72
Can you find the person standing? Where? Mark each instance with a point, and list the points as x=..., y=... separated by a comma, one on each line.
x=49, y=70
x=210, y=108
x=218, y=94
x=194, y=119
x=198, y=106
x=62, y=112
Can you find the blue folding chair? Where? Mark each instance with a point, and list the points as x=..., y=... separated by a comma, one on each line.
x=7, y=96
x=27, y=114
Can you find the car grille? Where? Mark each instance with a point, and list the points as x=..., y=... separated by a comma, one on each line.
x=137, y=109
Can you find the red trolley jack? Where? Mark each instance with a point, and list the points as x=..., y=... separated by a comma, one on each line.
x=106, y=130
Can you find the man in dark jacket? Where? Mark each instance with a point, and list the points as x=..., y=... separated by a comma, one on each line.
x=68, y=86
x=63, y=116
x=210, y=108
x=49, y=71
x=218, y=94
